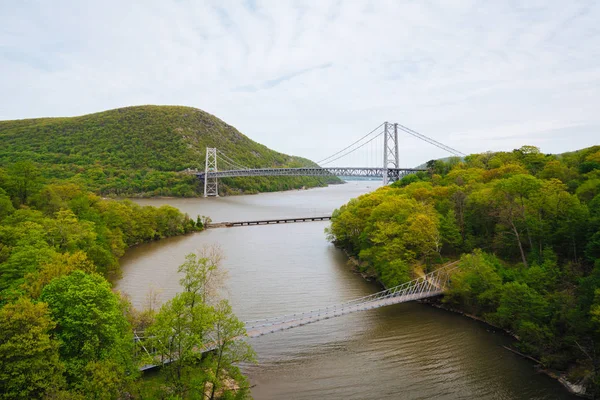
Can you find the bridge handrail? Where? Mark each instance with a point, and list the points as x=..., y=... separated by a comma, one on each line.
x=361, y=300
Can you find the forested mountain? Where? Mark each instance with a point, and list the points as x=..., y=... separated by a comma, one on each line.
x=526, y=228
x=140, y=150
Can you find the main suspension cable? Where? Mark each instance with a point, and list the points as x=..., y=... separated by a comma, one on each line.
x=346, y=148
x=431, y=141
x=233, y=163
x=353, y=150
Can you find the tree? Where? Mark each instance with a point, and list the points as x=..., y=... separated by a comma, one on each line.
x=450, y=231
x=203, y=274
x=520, y=303
x=476, y=283
x=66, y=232
x=188, y=323
x=225, y=333
x=90, y=323
x=6, y=207
x=30, y=366
x=24, y=178
x=103, y=380
x=179, y=330
x=59, y=265
x=422, y=234
x=509, y=199
x=55, y=197
x=178, y=335
x=23, y=260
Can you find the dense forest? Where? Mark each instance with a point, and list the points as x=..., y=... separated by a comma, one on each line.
x=526, y=228
x=65, y=334
x=140, y=151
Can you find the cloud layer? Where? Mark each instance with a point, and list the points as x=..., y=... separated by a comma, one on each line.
x=308, y=78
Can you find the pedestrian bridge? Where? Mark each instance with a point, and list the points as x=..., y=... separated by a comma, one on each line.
x=429, y=285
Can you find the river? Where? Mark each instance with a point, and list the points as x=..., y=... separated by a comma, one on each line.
x=405, y=351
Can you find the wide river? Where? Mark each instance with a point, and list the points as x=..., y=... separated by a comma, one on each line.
x=405, y=351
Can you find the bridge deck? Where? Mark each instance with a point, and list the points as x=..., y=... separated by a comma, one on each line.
x=373, y=172
x=337, y=312
x=268, y=221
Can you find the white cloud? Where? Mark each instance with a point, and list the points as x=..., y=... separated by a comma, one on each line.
x=308, y=78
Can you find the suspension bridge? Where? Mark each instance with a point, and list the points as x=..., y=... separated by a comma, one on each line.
x=429, y=285
x=388, y=168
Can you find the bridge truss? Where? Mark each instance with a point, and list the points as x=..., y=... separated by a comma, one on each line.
x=392, y=174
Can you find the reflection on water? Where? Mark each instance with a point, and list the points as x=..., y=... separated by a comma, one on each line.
x=406, y=351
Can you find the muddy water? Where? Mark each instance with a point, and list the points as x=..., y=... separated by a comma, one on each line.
x=406, y=351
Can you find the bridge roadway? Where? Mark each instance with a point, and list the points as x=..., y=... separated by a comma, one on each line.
x=337, y=312
x=368, y=172
x=267, y=222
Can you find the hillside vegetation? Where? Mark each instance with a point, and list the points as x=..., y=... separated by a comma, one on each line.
x=140, y=150
x=526, y=228
x=66, y=334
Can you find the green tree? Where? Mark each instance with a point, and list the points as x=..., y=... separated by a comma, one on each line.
x=475, y=284
x=66, y=232
x=450, y=231
x=23, y=260
x=90, y=323
x=30, y=366
x=519, y=303
x=23, y=180
x=188, y=323
x=226, y=333
x=180, y=327
x=202, y=274
x=59, y=265
x=6, y=207
x=510, y=197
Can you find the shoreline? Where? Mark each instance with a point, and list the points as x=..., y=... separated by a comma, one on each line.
x=560, y=376
x=229, y=194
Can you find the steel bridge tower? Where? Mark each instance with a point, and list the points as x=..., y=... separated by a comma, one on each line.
x=390, y=150
x=211, y=185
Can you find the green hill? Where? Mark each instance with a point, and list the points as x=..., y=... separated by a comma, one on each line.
x=139, y=151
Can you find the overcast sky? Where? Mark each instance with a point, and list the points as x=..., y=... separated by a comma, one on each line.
x=309, y=77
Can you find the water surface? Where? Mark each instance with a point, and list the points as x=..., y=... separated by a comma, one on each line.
x=406, y=351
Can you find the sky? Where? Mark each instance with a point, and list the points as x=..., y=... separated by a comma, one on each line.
x=309, y=77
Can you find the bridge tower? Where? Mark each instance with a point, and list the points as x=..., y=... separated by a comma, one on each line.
x=210, y=184
x=390, y=149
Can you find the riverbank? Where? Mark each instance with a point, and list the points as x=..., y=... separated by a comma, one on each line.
x=287, y=268
x=229, y=192
x=560, y=376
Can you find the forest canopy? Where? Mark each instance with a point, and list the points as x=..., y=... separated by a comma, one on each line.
x=141, y=151
x=526, y=228
x=66, y=334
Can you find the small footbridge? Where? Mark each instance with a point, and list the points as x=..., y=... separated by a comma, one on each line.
x=429, y=285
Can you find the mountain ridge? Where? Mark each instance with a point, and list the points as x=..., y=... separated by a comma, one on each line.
x=130, y=150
